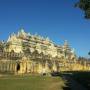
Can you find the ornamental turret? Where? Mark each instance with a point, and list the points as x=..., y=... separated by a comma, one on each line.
x=22, y=33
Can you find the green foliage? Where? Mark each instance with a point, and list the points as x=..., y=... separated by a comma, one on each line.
x=88, y=53
x=85, y=6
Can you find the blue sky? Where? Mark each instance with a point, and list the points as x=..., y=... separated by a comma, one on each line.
x=57, y=19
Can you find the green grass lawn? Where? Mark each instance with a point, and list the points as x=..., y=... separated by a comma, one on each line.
x=31, y=83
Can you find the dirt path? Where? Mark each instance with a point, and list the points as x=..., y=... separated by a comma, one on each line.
x=74, y=85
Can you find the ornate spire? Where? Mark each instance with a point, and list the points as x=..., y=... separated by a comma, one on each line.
x=9, y=38
x=66, y=43
x=66, y=46
x=29, y=34
x=22, y=33
x=73, y=51
x=47, y=39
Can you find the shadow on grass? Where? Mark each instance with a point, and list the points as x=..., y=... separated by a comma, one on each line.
x=67, y=83
x=81, y=77
x=66, y=88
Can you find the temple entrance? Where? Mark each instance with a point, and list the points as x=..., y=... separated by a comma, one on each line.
x=18, y=67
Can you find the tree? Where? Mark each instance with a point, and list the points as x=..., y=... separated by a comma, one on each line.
x=84, y=5
x=88, y=53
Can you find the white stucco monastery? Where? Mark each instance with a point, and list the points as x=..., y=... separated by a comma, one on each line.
x=26, y=53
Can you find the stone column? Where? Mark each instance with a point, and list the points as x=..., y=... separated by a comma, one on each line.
x=54, y=67
x=7, y=66
x=4, y=66
x=10, y=66
x=40, y=68
x=28, y=66
x=15, y=68
x=47, y=67
x=0, y=65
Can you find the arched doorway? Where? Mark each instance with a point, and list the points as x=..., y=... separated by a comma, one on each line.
x=18, y=67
